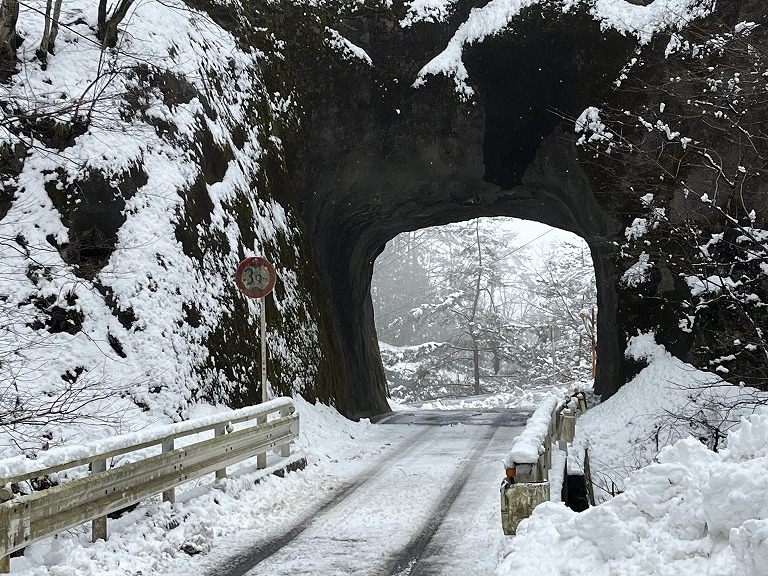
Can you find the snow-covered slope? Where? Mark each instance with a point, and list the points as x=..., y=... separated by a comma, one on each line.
x=134, y=183
x=693, y=512
x=684, y=510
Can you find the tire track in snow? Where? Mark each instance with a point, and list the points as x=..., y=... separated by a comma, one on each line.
x=239, y=565
x=367, y=531
x=407, y=564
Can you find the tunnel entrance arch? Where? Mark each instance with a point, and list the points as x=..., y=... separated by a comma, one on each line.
x=380, y=157
x=393, y=133
x=364, y=181
x=364, y=201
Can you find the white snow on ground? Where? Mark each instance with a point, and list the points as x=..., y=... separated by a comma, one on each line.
x=688, y=511
x=528, y=398
x=695, y=512
x=157, y=538
x=160, y=361
x=666, y=402
x=692, y=512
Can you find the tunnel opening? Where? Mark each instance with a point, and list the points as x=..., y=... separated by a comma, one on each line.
x=483, y=307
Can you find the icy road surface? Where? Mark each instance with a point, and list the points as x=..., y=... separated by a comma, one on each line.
x=425, y=504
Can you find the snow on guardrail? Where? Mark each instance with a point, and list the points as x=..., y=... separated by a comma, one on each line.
x=58, y=456
x=527, y=481
x=529, y=445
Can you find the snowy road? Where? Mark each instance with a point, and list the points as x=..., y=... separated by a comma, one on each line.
x=425, y=505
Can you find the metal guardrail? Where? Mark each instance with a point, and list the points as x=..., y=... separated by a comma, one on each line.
x=29, y=518
x=526, y=483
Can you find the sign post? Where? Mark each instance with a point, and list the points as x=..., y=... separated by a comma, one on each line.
x=255, y=277
x=263, y=349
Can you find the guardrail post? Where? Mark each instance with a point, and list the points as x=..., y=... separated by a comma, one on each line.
x=5, y=565
x=98, y=525
x=569, y=426
x=285, y=449
x=582, y=402
x=559, y=433
x=588, y=478
x=518, y=502
x=261, y=459
x=220, y=431
x=170, y=494
x=525, y=473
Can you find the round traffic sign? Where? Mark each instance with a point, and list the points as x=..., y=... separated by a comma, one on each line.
x=255, y=277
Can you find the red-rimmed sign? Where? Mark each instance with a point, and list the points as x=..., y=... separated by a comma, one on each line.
x=255, y=277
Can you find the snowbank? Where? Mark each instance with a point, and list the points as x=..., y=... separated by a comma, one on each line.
x=667, y=401
x=694, y=512
x=518, y=399
x=689, y=510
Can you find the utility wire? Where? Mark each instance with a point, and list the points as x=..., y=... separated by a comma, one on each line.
x=438, y=289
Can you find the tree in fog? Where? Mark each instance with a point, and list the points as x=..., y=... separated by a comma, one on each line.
x=459, y=311
x=468, y=307
x=561, y=292
x=400, y=281
x=447, y=285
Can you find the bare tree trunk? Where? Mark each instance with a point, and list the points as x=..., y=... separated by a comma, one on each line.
x=50, y=31
x=9, y=14
x=42, y=52
x=473, y=317
x=107, y=31
x=55, y=25
x=101, y=19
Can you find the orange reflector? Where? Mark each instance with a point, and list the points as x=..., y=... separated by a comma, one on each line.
x=511, y=472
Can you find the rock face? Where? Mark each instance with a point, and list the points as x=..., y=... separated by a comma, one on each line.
x=382, y=157
x=313, y=134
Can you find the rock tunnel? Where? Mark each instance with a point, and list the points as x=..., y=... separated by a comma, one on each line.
x=382, y=157
x=389, y=145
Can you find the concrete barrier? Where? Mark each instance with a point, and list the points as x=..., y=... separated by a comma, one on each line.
x=526, y=484
x=518, y=501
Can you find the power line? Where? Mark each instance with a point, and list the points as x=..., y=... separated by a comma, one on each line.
x=390, y=261
x=438, y=289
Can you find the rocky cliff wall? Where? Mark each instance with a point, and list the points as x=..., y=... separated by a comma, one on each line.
x=578, y=115
x=312, y=134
